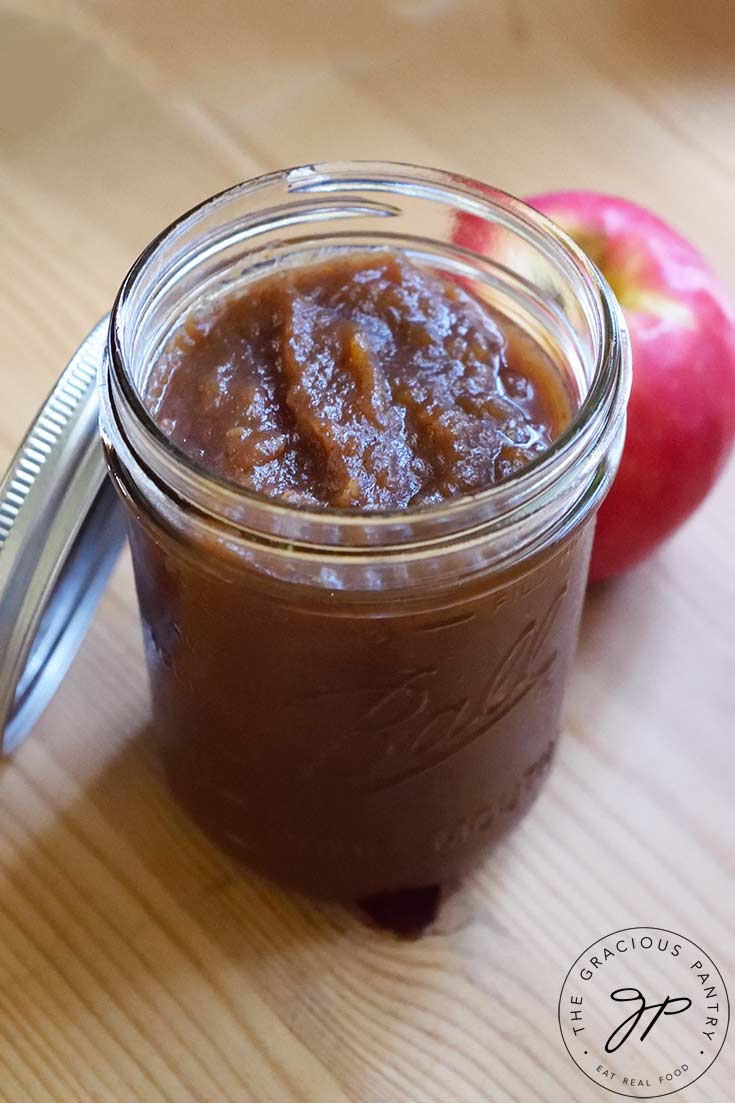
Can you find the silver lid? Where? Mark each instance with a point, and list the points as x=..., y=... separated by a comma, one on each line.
x=61, y=528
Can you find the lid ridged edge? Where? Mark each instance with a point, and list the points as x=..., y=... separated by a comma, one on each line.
x=60, y=530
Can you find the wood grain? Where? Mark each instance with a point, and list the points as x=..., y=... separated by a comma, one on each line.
x=136, y=962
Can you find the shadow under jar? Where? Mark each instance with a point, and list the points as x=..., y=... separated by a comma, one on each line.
x=359, y=703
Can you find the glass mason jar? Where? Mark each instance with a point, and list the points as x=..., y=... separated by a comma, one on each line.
x=355, y=703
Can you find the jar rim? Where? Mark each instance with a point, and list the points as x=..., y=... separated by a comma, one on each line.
x=604, y=401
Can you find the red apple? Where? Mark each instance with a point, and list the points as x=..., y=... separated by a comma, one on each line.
x=681, y=416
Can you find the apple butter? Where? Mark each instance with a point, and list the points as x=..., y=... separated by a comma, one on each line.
x=359, y=740
x=361, y=460
x=362, y=382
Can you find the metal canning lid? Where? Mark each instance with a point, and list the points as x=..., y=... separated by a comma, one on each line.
x=61, y=528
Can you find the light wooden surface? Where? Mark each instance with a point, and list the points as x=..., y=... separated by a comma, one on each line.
x=136, y=962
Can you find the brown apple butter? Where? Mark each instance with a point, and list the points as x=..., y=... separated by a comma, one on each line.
x=363, y=382
x=355, y=740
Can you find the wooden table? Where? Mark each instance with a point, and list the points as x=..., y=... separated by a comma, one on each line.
x=136, y=962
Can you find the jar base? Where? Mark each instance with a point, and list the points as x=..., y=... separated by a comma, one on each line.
x=407, y=913
x=394, y=893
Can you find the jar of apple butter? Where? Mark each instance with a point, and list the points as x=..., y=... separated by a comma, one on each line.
x=361, y=417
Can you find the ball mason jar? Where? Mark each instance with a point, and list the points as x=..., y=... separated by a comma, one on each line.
x=355, y=703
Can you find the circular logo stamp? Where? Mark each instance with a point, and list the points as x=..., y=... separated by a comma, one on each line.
x=644, y=1012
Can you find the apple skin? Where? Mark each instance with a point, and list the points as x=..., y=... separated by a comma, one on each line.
x=681, y=414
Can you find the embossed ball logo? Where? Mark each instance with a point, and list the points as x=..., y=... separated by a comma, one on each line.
x=407, y=727
x=644, y=1012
